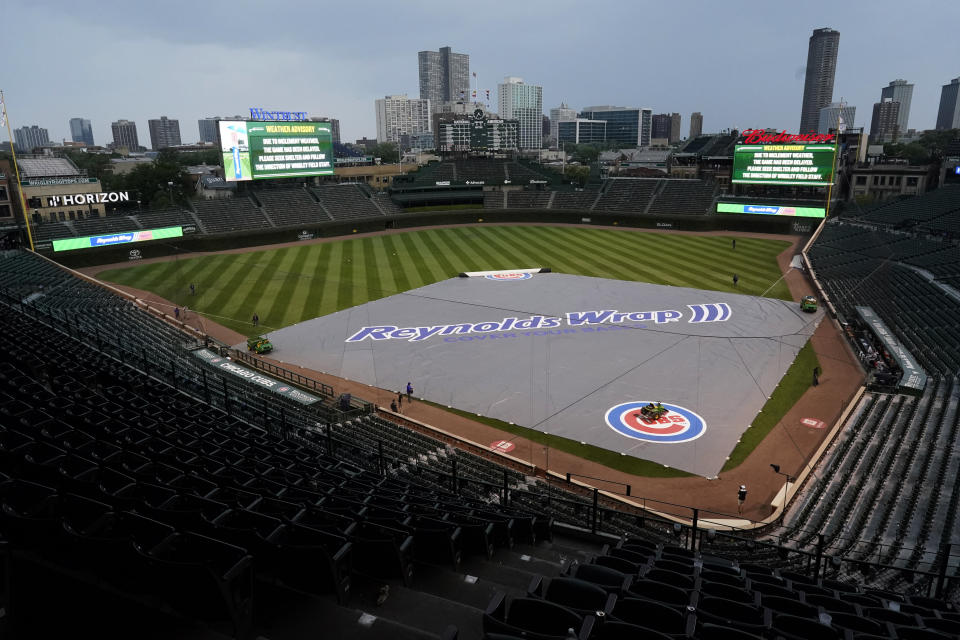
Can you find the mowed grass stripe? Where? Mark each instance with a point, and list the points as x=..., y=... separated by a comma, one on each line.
x=255, y=289
x=345, y=285
x=396, y=254
x=227, y=287
x=325, y=300
x=430, y=262
x=421, y=274
x=548, y=254
x=613, y=262
x=381, y=255
x=308, y=287
x=689, y=270
x=486, y=253
x=515, y=258
x=430, y=241
x=479, y=253
x=280, y=314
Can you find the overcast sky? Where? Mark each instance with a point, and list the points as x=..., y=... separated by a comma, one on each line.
x=740, y=63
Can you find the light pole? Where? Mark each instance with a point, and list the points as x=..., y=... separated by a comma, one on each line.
x=170, y=187
x=776, y=469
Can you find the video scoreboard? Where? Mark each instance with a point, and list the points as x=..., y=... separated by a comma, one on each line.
x=257, y=150
x=784, y=159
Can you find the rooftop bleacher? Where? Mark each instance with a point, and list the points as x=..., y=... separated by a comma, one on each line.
x=47, y=167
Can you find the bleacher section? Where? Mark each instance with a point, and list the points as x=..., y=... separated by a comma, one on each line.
x=101, y=226
x=48, y=231
x=683, y=197
x=628, y=195
x=527, y=199
x=135, y=476
x=290, y=207
x=575, y=199
x=229, y=214
x=937, y=210
x=347, y=201
x=862, y=265
x=159, y=218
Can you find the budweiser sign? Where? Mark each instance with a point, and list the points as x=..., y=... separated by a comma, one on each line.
x=759, y=136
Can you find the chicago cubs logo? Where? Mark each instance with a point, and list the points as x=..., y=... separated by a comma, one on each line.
x=508, y=276
x=283, y=389
x=677, y=424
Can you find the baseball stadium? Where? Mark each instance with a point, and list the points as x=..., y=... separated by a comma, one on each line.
x=482, y=402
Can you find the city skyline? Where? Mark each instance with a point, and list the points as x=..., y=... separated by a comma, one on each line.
x=742, y=69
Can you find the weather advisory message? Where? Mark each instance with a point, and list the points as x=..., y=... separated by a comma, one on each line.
x=259, y=150
x=788, y=164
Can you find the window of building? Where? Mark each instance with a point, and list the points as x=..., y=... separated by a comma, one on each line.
x=876, y=180
x=861, y=180
x=899, y=180
x=912, y=182
x=3, y=193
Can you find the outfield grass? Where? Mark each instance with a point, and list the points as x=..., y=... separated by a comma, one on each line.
x=286, y=286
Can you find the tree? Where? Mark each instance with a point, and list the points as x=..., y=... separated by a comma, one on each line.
x=386, y=151
x=577, y=175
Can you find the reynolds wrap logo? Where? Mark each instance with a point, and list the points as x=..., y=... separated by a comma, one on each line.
x=699, y=313
x=675, y=424
x=508, y=276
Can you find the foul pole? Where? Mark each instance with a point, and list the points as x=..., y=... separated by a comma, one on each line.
x=16, y=170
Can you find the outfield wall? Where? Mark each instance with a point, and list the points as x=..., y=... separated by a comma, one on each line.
x=331, y=229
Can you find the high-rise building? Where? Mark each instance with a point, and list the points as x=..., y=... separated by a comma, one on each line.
x=821, y=69
x=164, y=133
x=524, y=103
x=29, y=138
x=899, y=91
x=884, y=126
x=580, y=131
x=444, y=76
x=661, y=126
x=830, y=117
x=125, y=135
x=559, y=114
x=81, y=131
x=675, y=123
x=948, y=117
x=399, y=115
x=334, y=127
x=208, y=129
x=696, y=124
x=626, y=126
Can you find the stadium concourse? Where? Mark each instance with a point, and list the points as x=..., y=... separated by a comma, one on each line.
x=791, y=444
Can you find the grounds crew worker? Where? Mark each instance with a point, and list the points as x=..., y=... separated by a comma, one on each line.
x=741, y=498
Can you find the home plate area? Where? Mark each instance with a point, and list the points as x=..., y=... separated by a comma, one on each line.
x=572, y=356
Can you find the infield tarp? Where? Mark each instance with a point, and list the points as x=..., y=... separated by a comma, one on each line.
x=548, y=351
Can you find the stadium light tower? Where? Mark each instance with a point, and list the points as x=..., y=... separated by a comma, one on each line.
x=786, y=476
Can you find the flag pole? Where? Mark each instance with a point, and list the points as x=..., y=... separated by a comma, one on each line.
x=16, y=170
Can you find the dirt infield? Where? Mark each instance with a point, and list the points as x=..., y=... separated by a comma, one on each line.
x=790, y=444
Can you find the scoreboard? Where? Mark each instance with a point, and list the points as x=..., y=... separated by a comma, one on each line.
x=257, y=150
x=787, y=164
